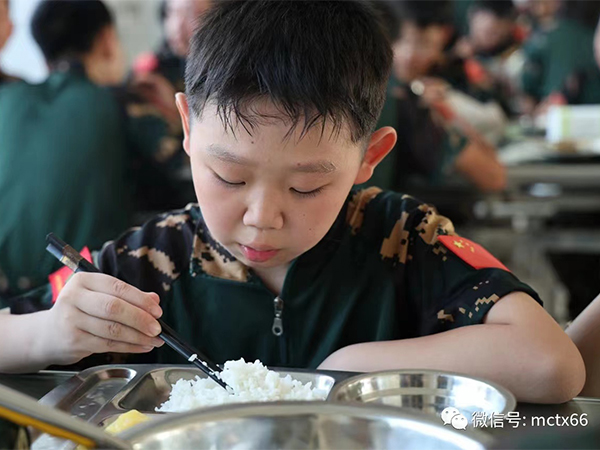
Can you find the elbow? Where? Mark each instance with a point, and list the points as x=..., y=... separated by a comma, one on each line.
x=563, y=375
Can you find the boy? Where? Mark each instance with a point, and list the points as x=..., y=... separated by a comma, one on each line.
x=281, y=261
x=66, y=145
x=433, y=141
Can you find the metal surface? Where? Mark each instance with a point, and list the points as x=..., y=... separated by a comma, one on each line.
x=99, y=394
x=301, y=425
x=25, y=411
x=427, y=391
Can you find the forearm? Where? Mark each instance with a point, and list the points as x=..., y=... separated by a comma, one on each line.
x=21, y=349
x=585, y=333
x=503, y=354
x=480, y=167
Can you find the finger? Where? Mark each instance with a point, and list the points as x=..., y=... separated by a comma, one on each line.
x=97, y=344
x=102, y=283
x=116, y=331
x=108, y=307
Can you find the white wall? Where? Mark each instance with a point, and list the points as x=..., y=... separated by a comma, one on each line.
x=137, y=22
x=21, y=55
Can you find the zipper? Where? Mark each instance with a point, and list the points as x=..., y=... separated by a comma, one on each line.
x=277, y=327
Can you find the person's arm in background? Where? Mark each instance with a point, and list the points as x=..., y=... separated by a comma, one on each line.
x=477, y=161
x=481, y=166
x=585, y=333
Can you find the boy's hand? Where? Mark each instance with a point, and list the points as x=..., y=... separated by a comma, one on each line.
x=97, y=313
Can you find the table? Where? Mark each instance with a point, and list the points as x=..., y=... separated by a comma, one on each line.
x=39, y=384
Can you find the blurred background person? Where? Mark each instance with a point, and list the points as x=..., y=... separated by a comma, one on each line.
x=433, y=139
x=559, y=60
x=155, y=78
x=492, y=49
x=66, y=145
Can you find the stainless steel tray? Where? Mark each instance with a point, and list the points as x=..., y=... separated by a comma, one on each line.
x=99, y=394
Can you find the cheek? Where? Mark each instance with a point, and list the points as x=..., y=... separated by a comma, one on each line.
x=220, y=208
x=316, y=216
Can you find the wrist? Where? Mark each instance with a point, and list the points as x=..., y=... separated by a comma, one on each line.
x=40, y=344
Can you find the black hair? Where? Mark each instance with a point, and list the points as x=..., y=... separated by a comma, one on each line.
x=425, y=13
x=317, y=61
x=68, y=28
x=585, y=12
x=503, y=9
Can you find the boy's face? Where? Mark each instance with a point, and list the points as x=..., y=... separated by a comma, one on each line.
x=418, y=50
x=265, y=198
x=5, y=23
x=488, y=31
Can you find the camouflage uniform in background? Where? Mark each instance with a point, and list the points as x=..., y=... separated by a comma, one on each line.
x=381, y=273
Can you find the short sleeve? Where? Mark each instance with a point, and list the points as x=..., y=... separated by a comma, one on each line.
x=446, y=291
x=153, y=256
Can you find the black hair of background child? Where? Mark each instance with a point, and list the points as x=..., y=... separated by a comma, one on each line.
x=65, y=29
x=317, y=61
x=425, y=13
x=504, y=9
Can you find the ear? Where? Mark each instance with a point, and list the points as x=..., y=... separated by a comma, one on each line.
x=184, y=112
x=381, y=143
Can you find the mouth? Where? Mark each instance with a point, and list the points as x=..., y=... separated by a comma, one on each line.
x=259, y=254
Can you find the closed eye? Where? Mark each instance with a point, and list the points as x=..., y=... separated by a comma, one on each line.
x=312, y=193
x=228, y=183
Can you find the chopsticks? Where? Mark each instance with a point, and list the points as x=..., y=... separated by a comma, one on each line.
x=77, y=263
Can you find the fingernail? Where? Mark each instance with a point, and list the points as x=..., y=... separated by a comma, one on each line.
x=157, y=342
x=147, y=349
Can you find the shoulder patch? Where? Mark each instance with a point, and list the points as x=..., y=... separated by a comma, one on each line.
x=472, y=253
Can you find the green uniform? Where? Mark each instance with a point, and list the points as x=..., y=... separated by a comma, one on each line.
x=66, y=166
x=379, y=274
x=5, y=78
x=555, y=55
x=426, y=148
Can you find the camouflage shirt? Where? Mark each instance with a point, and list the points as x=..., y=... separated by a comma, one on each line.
x=379, y=274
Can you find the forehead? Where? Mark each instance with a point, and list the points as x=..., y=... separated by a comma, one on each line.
x=264, y=121
x=434, y=34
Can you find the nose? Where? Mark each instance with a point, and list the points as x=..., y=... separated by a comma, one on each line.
x=264, y=212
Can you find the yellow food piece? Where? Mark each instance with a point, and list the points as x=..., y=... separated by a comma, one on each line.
x=126, y=421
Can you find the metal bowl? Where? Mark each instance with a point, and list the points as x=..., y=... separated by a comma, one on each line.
x=427, y=391
x=301, y=425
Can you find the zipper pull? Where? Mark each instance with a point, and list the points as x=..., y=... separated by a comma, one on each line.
x=277, y=322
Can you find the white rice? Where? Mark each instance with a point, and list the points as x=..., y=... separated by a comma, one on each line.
x=248, y=382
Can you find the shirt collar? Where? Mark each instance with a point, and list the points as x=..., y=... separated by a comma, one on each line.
x=209, y=257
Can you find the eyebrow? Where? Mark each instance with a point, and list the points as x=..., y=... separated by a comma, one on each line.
x=322, y=166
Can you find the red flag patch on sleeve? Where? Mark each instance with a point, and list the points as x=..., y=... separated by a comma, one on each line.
x=59, y=278
x=472, y=253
